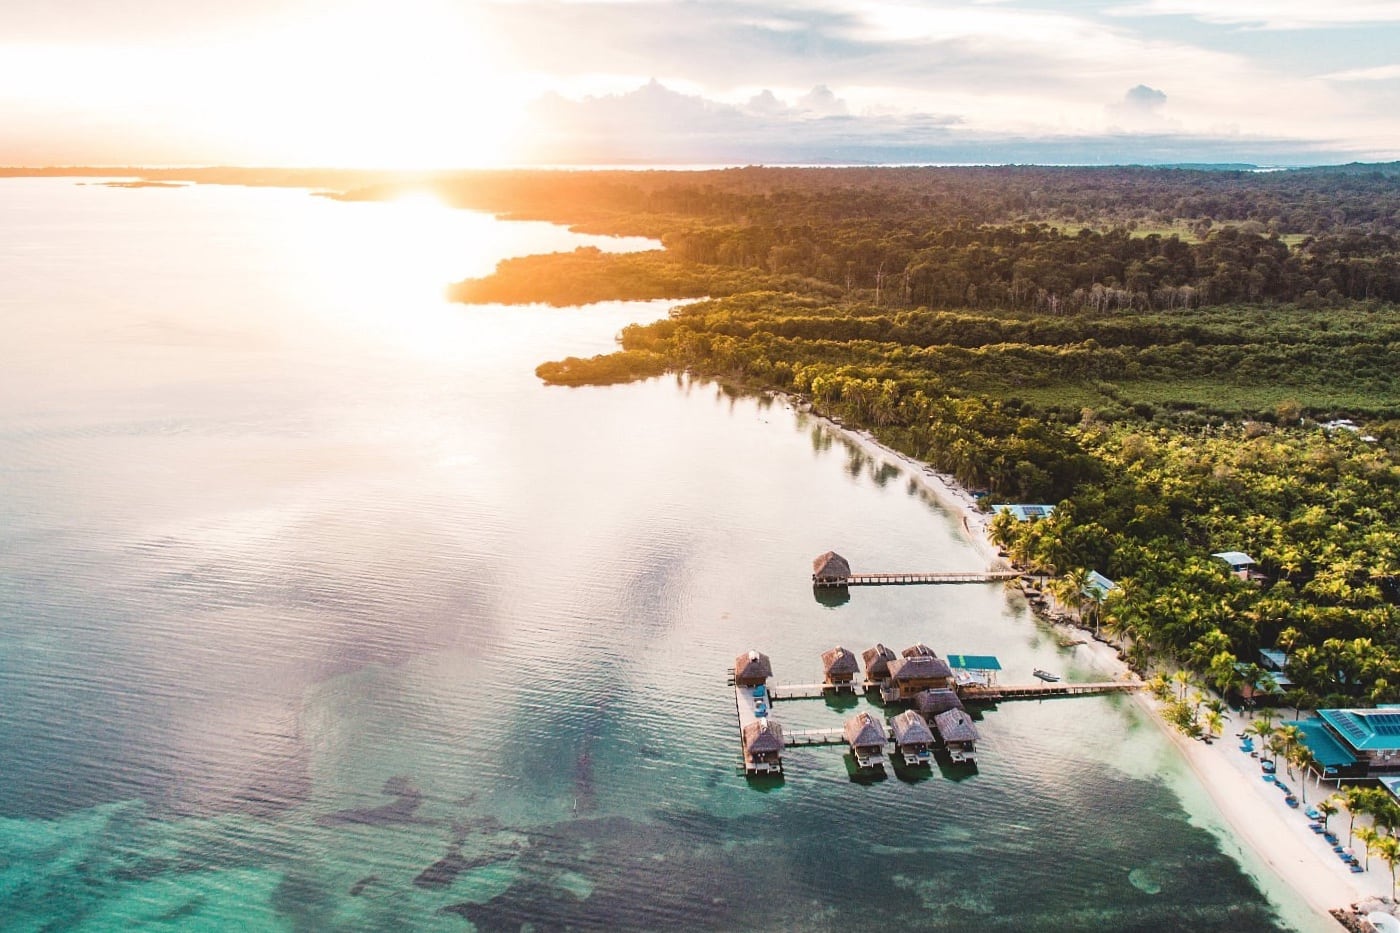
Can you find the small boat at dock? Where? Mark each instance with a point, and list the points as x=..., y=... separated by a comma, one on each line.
x=1046, y=675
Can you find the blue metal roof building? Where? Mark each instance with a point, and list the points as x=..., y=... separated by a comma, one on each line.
x=1025, y=512
x=1354, y=742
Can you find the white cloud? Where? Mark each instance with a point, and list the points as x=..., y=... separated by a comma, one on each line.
x=1271, y=14
x=1382, y=73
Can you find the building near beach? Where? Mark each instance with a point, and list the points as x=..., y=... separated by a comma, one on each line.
x=912, y=738
x=930, y=703
x=830, y=569
x=867, y=738
x=752, y=669
x=839, y=666
x=910, y=674
x=763, y=747
x=877, y=663
x=1353, y=743
x=958, y=733
x=1025, y=512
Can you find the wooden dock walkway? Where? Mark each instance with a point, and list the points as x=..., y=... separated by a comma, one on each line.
x=797, y=737
x=779, y=692
x=910, y=579
x=999, y=692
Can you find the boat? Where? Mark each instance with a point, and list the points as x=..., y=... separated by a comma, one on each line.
x=1045, y=675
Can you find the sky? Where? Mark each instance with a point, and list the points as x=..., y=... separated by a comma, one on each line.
x=456, y=83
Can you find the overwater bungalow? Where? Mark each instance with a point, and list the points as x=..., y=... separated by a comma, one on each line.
x=839, y=667
x=877, y=663
x=830, y=569
x=912, y=738
x=763, y=747
x=909, y=675
x=958, y=733
x=920, y=650
x=930, y=703
x=867, y=738
x=752, y=669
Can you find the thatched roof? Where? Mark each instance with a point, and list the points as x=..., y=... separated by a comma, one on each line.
x=830, y=566
x=764, y=735
x=839, y=661
x=752, y=665
x=930, y=703
x=920, y=650
x=909, y=728
x=865, y=729
x=877, y=661
x=956, y=726
x=919, y=668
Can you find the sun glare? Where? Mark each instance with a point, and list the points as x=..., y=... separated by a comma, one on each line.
x=413, y=84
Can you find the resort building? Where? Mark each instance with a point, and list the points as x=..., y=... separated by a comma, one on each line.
x=910, y=674
x=912, y=738
x=974, y=670
x=1099, y=586
x=830, y=569
x=867, y=738
x=763, y=747
x=930, y=703
x=877, y=664
x=1354, y=742
x=1025, y=512
x=839, y=667
x=958, y=733
x=920, y=650
x=1238, y=561
x=752, y=669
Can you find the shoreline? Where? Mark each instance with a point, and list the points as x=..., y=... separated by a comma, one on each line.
x=1270, y=835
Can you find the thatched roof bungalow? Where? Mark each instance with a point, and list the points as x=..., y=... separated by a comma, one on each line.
x=958, y=733
x=912, y=737
x=920, y=650
x=839, y=665
x=763, y=746
x=830, y=568
x=752, y=669
x=930, y=703
x=867, y=737
x=877, y=663
x=909, y=675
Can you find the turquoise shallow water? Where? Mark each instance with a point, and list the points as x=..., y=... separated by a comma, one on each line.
x=319, y=612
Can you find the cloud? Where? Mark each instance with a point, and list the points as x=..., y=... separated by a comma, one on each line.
x=1141, y=108
x=654, y=124
x=1381, y=73
x=821, y=100
x=1271, y=14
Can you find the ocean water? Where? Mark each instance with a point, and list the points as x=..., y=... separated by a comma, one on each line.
x=319, y=612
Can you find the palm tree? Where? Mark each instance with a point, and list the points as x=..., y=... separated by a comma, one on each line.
x=1367, y=837
x=1302, y=756
x=1327, y=808
x=1215, y=722
x=1261, y=728
x=1388, y=848
x=1356, y=800
x=1183, y=680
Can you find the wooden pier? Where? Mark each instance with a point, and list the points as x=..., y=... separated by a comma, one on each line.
x=911, y=579
x=999, y=692
x=780, y=692
x=798, y=737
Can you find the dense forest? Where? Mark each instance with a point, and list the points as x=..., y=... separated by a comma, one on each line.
x=1153, y=350
x=1162, y=352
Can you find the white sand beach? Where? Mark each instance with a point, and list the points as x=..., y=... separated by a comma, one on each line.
x=1277, y=835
